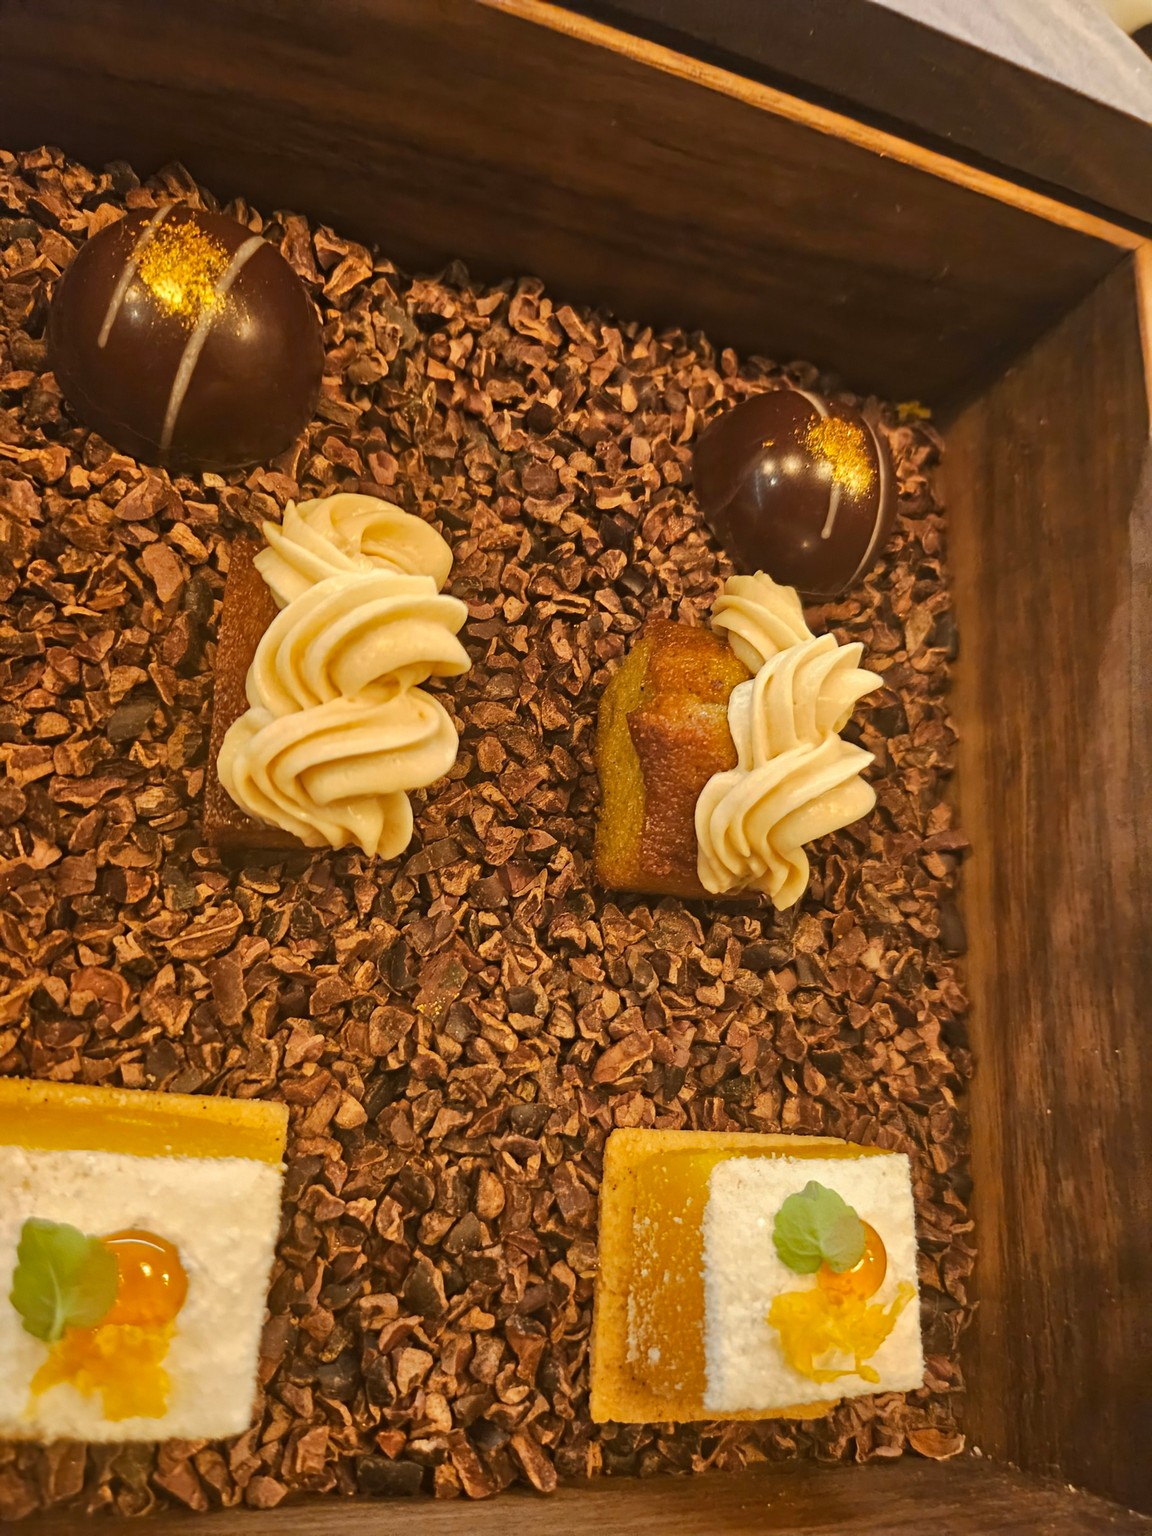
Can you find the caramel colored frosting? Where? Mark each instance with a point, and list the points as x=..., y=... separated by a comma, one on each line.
x=338, y=728
x=795, y=779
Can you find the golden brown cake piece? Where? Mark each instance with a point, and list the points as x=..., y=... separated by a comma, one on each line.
x=249, y=608
x=663, y=732
x=712, y=779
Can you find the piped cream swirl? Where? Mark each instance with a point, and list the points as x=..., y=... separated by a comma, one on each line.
x=759, y=618
x=795, y=778
x=803, y=694
x=348, y=535
x=338, y=728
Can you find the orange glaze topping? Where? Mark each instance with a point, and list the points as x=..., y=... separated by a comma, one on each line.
x=865, y=1277
x=151, y=1283
x=833, y=1320
x=119, y=1360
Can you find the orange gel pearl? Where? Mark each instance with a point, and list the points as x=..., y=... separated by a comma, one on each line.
x=865, y=1277
x=151, y=1284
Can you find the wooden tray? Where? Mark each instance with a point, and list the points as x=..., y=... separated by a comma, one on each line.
x=530, y=139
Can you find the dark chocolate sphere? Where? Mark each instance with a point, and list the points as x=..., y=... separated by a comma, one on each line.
x=799, y=487
x=186, y=340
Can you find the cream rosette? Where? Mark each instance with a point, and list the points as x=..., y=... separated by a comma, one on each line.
x=795, y=779
x=759, y=617
x=803, y=694
x=338, y=728
x=348, y=535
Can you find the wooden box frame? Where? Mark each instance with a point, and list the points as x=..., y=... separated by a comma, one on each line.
x=526, y=138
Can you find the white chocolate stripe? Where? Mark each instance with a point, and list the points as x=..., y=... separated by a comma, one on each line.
x=834, y=496
x=834, y=499
x=195, y=343
x=885, y=476
x=833, y=508
x=821, y=409
x=143, y=240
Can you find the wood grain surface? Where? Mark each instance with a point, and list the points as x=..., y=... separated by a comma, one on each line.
x=909, y=1498
x=534, y=142
x=1049, y=481
x=1047, y=91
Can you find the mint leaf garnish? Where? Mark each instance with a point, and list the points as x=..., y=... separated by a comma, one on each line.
x=62, y=1279
x=818, y=1227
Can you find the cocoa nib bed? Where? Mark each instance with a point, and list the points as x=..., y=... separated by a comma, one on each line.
x=456, y=1032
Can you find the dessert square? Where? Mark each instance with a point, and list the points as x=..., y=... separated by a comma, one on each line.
x=697, y=1313
x=171, y=1201
x=747, y=1367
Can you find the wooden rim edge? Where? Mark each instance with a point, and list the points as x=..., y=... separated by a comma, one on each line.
x=822, y=119
x=1142, y=257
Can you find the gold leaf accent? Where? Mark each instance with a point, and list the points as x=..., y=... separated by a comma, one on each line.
x=845, y=447
x=180, y=267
